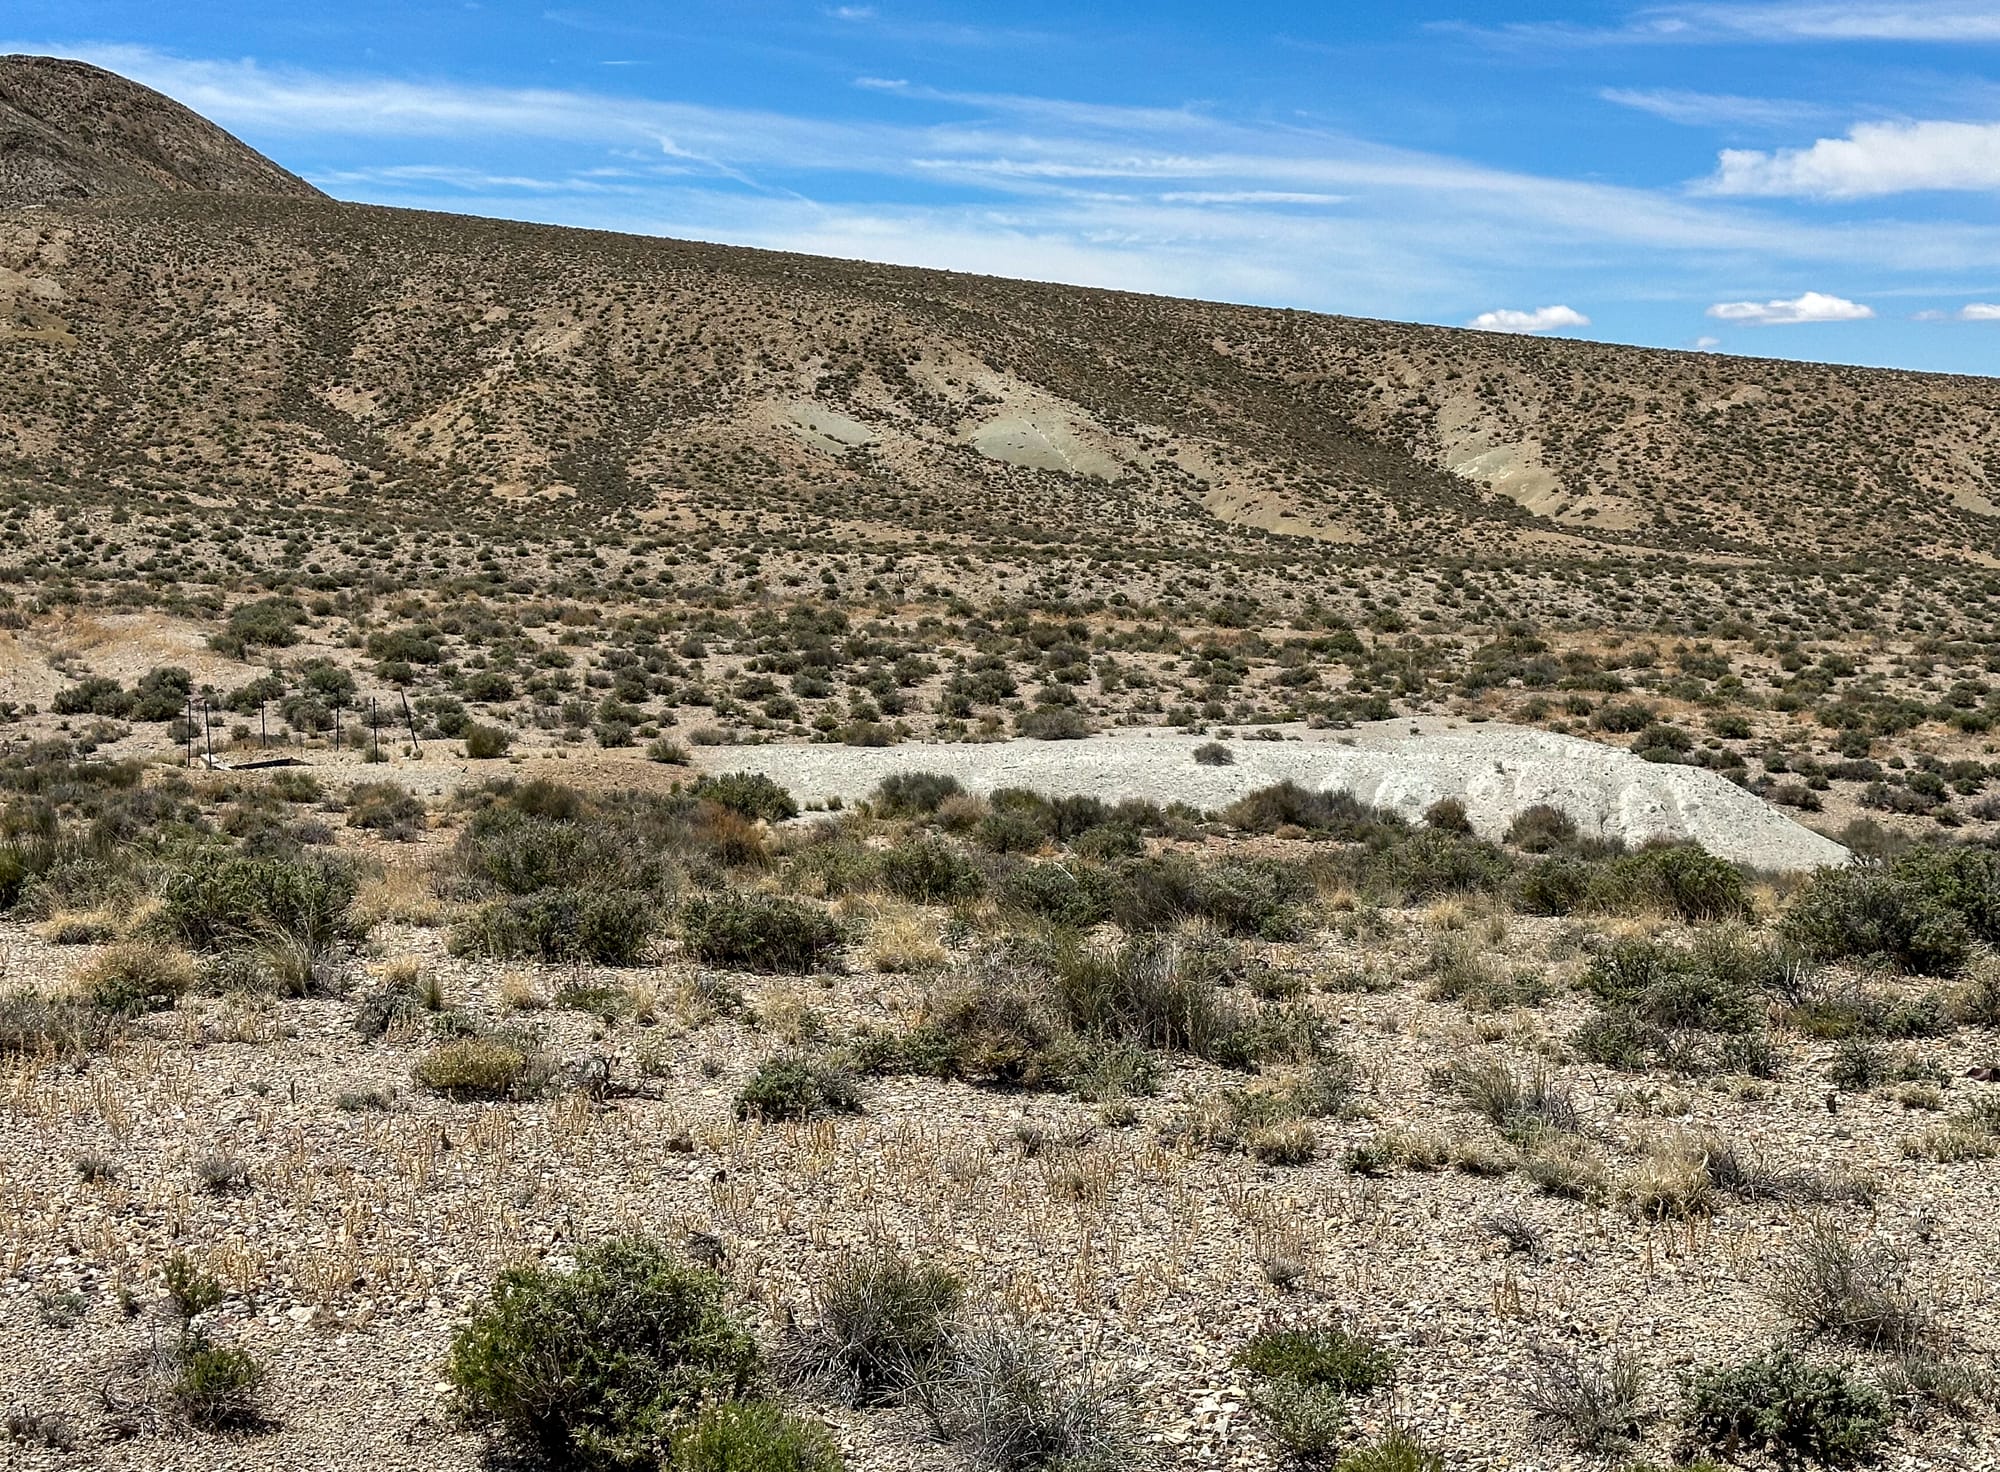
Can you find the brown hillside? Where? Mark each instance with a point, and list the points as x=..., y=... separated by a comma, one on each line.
x=71, y=131
x=237, y=346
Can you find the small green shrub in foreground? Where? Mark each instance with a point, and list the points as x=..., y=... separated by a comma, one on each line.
x=753, y=1436
x=798, y=1088
x=759, y=933
x=1325, y=1354
x=606, y=1366
x=605, y=927
x=1790, y=1409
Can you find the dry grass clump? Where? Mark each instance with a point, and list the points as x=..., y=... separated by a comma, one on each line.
x=1829, y=1284
x=135, y=976
x=902, y=939
x=402, y=894
x=480, y=1068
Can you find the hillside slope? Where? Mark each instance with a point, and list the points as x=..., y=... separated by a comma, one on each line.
x=232, y=345
x=73, y=131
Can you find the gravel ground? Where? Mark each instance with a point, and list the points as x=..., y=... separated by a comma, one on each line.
x=364, y=1237
x=1495, y=770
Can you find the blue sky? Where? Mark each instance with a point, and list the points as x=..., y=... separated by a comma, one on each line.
x=1786, y=178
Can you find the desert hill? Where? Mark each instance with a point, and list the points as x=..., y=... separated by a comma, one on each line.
x=193, y=338
x=72, y=131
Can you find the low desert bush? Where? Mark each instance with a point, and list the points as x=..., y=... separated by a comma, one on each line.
x=485, y=743
x=1014, y=1405
x=602, y=1366
x=1594, y=1406
x=797, y=1087
x=1788, y=1408
x=1327, y=1355
x=880, y=1323
x=481, y=1068
x=1919, y=913
x=752, y=1436
x=914, y=794
x=1396, y=1450
x=931, y=871
x=1828, y=1284
x=759, y=933
x=602, y=927
x=751, y=794
x=136, y=976
x=215, y=902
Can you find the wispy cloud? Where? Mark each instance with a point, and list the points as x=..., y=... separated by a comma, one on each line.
x=1541, y=319
x=1787, y=21
x=1811, y=306
x=1873, y=159
x=1712, y=109
x=1185, y=200
x=1979, y=312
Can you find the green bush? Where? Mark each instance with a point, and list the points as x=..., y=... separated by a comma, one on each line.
x=1287, y=804
x=1541, y=829
x=1920, y=913
x=1792, y=1410
x=914, y=794
x=793, y=1087
x=484, y=743
x=750, y=794
x=1072, y=895
x=384, y=807
x=1684, y=880
x=1874, y=917
x=1397, y=1450
x=97, y=696
x=604, y=927
x=215, y=902
x=602, y=1367
x=752, y=1436
x=1430, y=864
x=931, y=871
x=215, y=1386
x=1325, y=1355
x=759, y=933
x=1558, y=886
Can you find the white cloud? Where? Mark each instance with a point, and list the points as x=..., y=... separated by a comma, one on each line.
x=1707, y=344
x=1542, y=319
x=1873, y=159
x=1713, y=109
x=1979, y=312
x=1785, y=21
x=1811, y=306
x=1843, y=20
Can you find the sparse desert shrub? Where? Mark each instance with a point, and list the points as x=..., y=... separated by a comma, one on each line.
x=1287, y=804
x=753, y=1436
x=1828, y=1284
x=1540, y=829
x=1396, y=1450
x=1682, y=880
x=600, y=1367
x=931, y=871
x=1918, y=914
x=751, y=794
x=1052, y=723
x=880, y=1323
x=484, y=743
x=1214, y=754
x=914, y=794
x=215, y=1386
x=1014, y=1406
x=1593, y=1406
x=1556, y=886
x=215, y=902
x=385, y=808
x=136, y=976
x=1447, y=815
x=1430, y=864
x=797, y=1087
x=759, y=933
x=1075, y=896
x=1308, y=1421
x=1328, y=1355
x=480, y=1068
x=666, y=751
x=1790, y=1409
x=1523, y=1108
x=604, y=927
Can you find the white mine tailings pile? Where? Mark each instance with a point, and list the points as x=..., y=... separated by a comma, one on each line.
x=1497, y=771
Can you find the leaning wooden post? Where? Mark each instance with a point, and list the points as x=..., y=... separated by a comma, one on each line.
x=410, y=721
